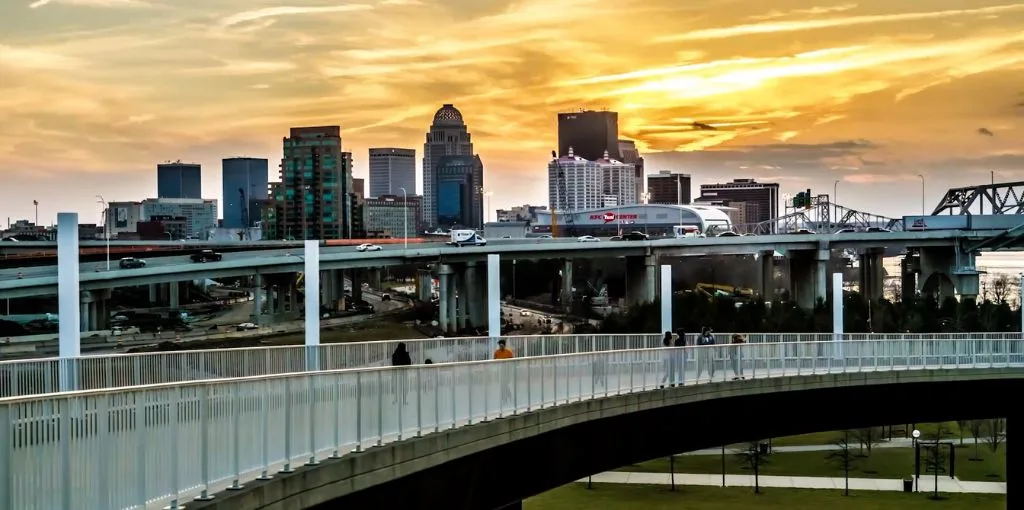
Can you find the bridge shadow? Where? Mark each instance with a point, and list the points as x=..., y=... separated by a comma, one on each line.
x=505, y=474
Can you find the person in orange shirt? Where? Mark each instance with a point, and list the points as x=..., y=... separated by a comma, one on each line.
x=503, y=352
x=505, y=372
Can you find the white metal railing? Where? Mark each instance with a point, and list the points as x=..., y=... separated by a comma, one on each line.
x=40, y=376
x=158, y=445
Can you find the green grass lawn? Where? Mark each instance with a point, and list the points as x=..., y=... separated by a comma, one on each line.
x=882, y=463
x=628, y=497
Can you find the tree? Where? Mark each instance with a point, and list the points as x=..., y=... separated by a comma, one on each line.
x=751, y=457
x=868, y=437
x=977, y=430
x=962, y=426
x=995, y=433
x=934, y=462
x=843, y=458
x=1002, y=288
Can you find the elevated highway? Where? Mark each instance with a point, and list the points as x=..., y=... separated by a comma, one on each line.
x=436, y=436
x=332, y=258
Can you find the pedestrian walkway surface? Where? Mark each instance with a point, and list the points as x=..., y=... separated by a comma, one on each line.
x=896, y=442
x=926, y=483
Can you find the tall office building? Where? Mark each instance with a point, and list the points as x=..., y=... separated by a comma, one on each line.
x=179, y=180
x=574, y=184
x=589, y=133
x=618, y=181
x=314, y=197
x=458, y=180
x=630, y=154
x=448, y=136
x=668, y=187
x=244, y=187
x=391, y=170
x=761, y=198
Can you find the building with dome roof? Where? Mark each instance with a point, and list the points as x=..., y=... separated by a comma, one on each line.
x=449, y=136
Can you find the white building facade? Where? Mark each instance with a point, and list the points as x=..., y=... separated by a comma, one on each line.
x=574, y=184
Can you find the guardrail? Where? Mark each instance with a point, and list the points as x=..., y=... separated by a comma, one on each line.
x=39, y=376
x=156, y=446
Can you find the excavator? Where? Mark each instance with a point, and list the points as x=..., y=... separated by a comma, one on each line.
x=724, y=291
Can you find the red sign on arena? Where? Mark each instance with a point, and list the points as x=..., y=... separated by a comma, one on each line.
x=609, y=217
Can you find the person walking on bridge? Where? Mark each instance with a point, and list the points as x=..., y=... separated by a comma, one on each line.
x=668, y=361
x=400, y=358
x=736, y=354
x=505, y=371
x=706, y=356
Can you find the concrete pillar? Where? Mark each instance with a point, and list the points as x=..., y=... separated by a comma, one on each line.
x=154, y=294
x=281, y=300
x=68, y=298
x=494, y=295
x=453, y=320
x=566, y=294
x=444, y=274
x=937, y=266
x=312, y=313
x=462, y=297
x=872, y=275
x=184, y=292
x=357, y=277
x=374, y=278
x=83, y=317
x=174, y=300
x=293, y=297
x=641, y=275
x=102, y=314
x=910, y=267
x=472, y=296
x=837, y=305
x=808, y=276
x=666, y=298
x=767, y=259
x=424, y=282
x=257, y=298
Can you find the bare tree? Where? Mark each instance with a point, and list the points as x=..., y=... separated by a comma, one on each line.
x=961, y=427
x=934, y=462
x=868, y=437
x=995, y=433
x=977, y=430
x=751, y=457
x=843, y=458
x=1002, y=288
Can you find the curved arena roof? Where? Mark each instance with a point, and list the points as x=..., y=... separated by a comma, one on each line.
x=651, y=214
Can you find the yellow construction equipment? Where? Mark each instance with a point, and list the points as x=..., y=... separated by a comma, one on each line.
x=724, y=291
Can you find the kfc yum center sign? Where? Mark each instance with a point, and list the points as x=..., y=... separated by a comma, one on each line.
x=609, y=217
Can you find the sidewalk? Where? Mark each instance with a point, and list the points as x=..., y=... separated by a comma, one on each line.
x=897, y=442
x=946, y=484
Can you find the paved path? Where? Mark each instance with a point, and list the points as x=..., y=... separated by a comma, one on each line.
x=897, y=442
x=946, y=484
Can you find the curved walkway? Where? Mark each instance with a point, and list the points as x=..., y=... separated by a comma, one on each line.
x=156, y=446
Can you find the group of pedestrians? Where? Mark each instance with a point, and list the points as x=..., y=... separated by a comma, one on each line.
x=675, y=359
x=402, y=358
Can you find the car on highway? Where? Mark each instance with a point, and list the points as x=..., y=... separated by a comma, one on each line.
x=132, y=263
x=634, y=236
x=728, y=233
x=245, y=326
x=206, y=256
x=368, y=247
x=587, y=239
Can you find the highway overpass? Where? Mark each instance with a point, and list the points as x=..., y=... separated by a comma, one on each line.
x=437, y=436
x=43, y=280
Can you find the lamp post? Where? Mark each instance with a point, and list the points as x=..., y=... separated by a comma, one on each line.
x=922, y=193
x=106, y=226
x=405, y=219
x=36, y=204
x=917, y=461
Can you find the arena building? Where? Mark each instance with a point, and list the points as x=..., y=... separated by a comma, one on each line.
x=653, y=219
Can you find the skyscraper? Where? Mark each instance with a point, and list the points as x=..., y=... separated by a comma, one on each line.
x=589, y=133
x=448, y=136
x=313, y=200
x=458, y=184
x=761, y=198
x=667, y=187
x=244, y=186
x=391, y=170
x=630, y=154
x=179, y=180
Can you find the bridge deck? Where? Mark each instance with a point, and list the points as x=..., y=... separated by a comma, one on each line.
x=148, y=447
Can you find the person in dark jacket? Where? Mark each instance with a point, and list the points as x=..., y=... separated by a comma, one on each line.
x=668, y=364
x=680, y=356
x=400, y=358
x=706, y=356
x=736, y=354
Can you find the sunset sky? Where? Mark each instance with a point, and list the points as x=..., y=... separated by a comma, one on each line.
x=94, y=93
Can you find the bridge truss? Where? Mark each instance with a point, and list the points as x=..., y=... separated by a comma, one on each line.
x=823, y=217
x=995, y=198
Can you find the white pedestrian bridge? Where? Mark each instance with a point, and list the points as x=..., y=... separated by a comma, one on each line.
x=158, y=430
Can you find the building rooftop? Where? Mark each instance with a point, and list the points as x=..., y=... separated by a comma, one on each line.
x=448, y=115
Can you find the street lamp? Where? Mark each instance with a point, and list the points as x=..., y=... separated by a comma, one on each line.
x=405, y=218
x=922, y=193
x=917, y=461
x=106, y=226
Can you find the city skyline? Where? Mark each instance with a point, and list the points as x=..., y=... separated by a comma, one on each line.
x=800, y=93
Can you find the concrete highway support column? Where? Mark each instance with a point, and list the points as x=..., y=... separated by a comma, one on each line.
x=356, y=278
x=257, y=299
x=424, y=283
x=69, y=345
x=910, y=267
x=936, y=277
x=767, y=259
x=154, y=294
x=476, y=286
x=444, y=276
x=566, y=294
x=462, y=299
x=174, y=300
x=374, y=277
x=872, y=275
x=808, y=273
x=666, y=297
x=293, y=296
x=641, y=275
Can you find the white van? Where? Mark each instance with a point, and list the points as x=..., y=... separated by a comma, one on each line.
x=685, y=231
x=466, y=237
